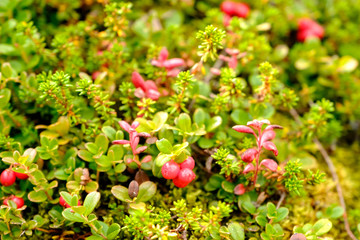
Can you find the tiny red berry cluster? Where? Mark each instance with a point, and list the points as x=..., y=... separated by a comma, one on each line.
x=308, y=28
x=181, y=174
x=8, y=177
x=17, y=200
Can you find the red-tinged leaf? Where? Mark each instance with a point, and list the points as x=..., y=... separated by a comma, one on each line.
x=271, y=147
x=239, y=189
x=267, y=135
x=269, y=164
x=146, y=159
x=249, y=155
x=140, y=149
x=164, y=54
x=173, y=63
x=138, y=81
x=249, y=168
x=121, y=142
x=144, y=134
x=150, y=85
x=152, y=94
x=270, y=127
x=124, y=125
x=258, y=123
x=135, y=124
x=244, y=129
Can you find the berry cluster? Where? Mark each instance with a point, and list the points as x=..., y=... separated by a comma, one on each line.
x=234, y=9
x=181, y=174
x=308, y=28
x=8, y=177
x=17, y=200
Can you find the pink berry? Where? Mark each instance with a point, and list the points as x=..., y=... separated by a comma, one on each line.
x=22, y=176
x=188, y=163
x=186, y=175
x=17, y=200
x=7, y=177
x=235, y=9
x=170, y=170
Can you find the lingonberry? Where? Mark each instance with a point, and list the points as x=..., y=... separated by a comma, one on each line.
x=235, y=9
x=186, y=175
x=7, y=177
x=63, y=203
x=188, y=163
x=17, y=200
x=22, y=176
x=170, y=170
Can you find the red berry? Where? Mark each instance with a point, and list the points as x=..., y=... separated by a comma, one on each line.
x=239, y=189
x=178, y=183
x=235, y=9
x=63, y=203
x=170, y=170
x=7, y=177
x=17, y=200
x=308, y=28
x=22, y=176
x=186, y=175
x=188, y=163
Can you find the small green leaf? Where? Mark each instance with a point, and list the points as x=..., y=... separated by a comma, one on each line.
x=213, y=123
x=5, y=95
x=102, y=142
x=72, y=216
x=37, y=196
x=184, y=122
x=271, y=210
x=85, y=155
x=147, y=191
x=281, y=214
x=164, y=146
x=322, y=226
x=110, y=132
x=91, y=186
x=261, y=220
x=236, y=231
x=113, y=231
x=249, y=207
x=121, y=193
x=90, y=202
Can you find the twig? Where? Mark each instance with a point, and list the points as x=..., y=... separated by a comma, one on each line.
x=334, y=175
x=282, y=197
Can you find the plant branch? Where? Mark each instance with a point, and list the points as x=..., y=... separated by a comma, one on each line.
x=334, y=175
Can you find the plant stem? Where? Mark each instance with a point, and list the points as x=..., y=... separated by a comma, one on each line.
x=334, y=175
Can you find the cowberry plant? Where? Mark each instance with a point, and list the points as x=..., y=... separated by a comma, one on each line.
x=179, y=119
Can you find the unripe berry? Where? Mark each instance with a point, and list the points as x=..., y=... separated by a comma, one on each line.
x=17, y=200
x=7, y=177
x=170, y=170
x=22, y=176
x=188, y=163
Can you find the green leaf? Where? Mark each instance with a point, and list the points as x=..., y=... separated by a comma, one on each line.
x=184, y=122
x=121, y=193
x=85, y=155
x=347, y=64
x=91, y=186
x=236, y=231
x=271, y=210
x=113, y=231
x=102, y=142
x=261, y=220
x=281, y=214
x=147, y=191
x=66, y=196
x=5, y=95
x=90, y=202
x=7, y=71
x=228, y=186
x=160, y=119
x=164, y=146
x=7, y=49
x=199, y=116
x=93, y=148
x=160, y=160
x=72, y=216
x=37, y=196
x=249, y=207
x=322, y=226
x=336, y=212
x=213, y=123
x=110, y=132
